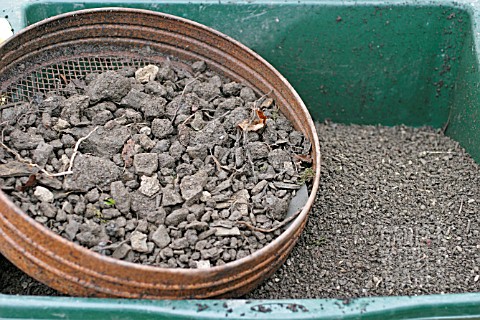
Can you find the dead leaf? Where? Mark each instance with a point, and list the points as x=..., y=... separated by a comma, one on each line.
x=32, y=181
x=128, y=152
x=247, y=125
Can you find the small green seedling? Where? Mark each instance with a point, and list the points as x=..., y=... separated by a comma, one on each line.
x=109, y=202
x=99, y=215
x=306, y=176
x=319, y=242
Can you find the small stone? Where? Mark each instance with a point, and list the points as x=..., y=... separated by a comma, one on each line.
x=47, y=209
x=130, y=225
x=191, y=187
x=43, y=194
x=146, y=74
x=41, y=219
x=122, y=251
x=61, y=216
x=176, y=217
x=277, y=158
x=222, y=186
x=15, y=169
x=198, y=123
x=170, y=196
x=165, y=160
x=226, y=232
x=89, y=172
x=198, y=152
x=247, y=94
x=212, y=253
x=106, y=142
x=42, y=153
x=258, y=150
x=120, y=195
x=161, y=237
x=102, y=117
x=67, y=207
x=178, y=244
x=161, y=146
x=138, y=241
x=176, y=150
x=197, y=225
x=71, y=229
x=145, y=163
x=206, y=234
x=285, y=185
x=146, y=142
x=203, y=264
x=73, y=108
x=61, y=125
x=24, y=141
x=92, y=196
x=232, y=88
x=109, y=85
x=199, y=66
x=153, y=87
x=259, y=187
x=110, y=213
x=276, y=207
x=142, y=226
x=162, y=128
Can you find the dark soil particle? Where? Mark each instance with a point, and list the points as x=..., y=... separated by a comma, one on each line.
x=396, y=214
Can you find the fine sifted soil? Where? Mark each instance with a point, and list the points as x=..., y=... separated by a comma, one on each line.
x=396, y=214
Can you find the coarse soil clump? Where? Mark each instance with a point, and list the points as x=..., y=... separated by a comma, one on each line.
x=396, y=214
x=162, y=166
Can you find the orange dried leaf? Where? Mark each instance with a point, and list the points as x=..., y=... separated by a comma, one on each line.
x=261, y=116
x=256, y=125
x=246, y=125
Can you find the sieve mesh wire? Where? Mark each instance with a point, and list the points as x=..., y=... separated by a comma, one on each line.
x=54, y=77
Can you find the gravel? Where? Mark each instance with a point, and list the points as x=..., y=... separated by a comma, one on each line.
x=108, y=148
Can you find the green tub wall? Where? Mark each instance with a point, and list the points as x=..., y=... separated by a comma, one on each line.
x=371, y=62
x=364, y=62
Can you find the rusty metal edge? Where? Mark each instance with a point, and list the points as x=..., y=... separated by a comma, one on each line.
x=231, y=265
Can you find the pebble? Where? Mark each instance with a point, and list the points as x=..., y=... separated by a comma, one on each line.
x=71, y=229
x=43, y=194
x=120, y=195
x=161, y=237
x=145, y=163
x=170, y=196
x=227, y=232
x=48, y=209
x=176, y=217
x=138, y=241
x=149, y=186
x=147, y=73
x=259, y=187
x=203, y=264
x=122, y=251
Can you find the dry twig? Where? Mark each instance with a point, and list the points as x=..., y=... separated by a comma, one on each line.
x=64, y=173
x=181, y=99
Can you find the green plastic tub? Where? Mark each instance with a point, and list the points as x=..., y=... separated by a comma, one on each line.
x=364, y=62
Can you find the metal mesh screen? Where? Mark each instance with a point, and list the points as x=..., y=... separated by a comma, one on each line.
x=54, y=77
